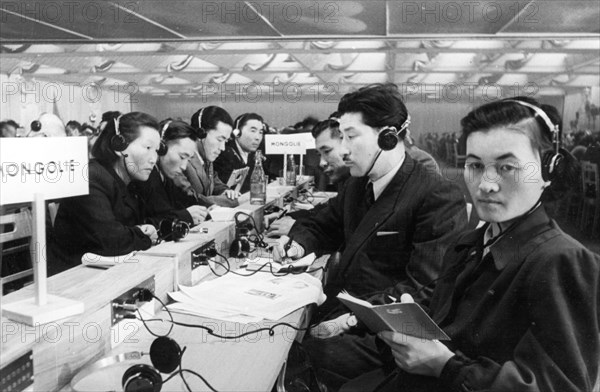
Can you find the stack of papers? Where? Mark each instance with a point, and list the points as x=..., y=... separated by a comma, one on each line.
x=247, y=299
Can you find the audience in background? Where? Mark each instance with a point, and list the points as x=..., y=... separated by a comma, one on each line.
x=73, y=128
x=8, y=128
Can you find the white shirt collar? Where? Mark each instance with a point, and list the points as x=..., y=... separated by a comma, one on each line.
x=381, y=183
x=243, y=153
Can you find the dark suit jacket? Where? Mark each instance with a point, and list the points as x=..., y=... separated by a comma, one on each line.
x=102, y=222
x=204, y=182
x=523, y=318
x=230, y=160
x=417, y=216
x=160, y=193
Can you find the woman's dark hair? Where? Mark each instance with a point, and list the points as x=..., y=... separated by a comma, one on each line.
x=380, y=105
x=331, y=124
x=241, y=120
x=129, y=126
x=176, y=130
x=211, y=116
x=505, y=113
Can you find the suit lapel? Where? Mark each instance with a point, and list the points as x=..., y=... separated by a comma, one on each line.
x=379, y=213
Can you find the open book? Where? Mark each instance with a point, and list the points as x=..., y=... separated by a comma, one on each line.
x=407, y=318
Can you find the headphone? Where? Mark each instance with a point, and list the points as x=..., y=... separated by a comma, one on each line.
x=240, y=246
x=389, y=136
x=118, y=142
x=551, y=160
x=36, y=126
x=201, y=131
x=237, y=132
x=174, y=229
x=387, y=139
x=163, y=148
x=165, y=355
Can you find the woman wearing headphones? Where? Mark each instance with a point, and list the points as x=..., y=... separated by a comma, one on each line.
x=518, y=297
x=241, y=148
x=109, y=220
x=214, y=126
x=177, y=147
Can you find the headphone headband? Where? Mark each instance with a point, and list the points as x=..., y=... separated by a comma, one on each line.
x=538, y=112
x=117, y=120
x=200, y=118
x=550, y=160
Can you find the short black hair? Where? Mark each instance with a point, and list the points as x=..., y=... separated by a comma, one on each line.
x=322, y=126
x=211, y=116
x=129, y=125
x=242, y=119
x=177, y=130
x=380, y=105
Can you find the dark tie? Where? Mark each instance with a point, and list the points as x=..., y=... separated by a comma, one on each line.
x=369, y=195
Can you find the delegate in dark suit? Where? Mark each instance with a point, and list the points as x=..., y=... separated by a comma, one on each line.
x=395, y=247
x=102, y=222
x=230, y=160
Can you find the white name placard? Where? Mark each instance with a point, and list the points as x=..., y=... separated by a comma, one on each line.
x=53, y=166
x=285, y=144
x=308, y=140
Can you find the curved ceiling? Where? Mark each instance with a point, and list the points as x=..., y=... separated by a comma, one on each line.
x=191, y=48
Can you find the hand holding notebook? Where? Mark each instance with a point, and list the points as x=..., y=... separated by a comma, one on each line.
x=407, y=318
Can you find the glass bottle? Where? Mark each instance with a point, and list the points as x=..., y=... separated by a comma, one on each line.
x=290, y=175
x=258, y=181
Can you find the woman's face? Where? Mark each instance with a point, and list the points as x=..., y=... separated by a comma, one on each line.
x=215, y=139
x=141, y=154
x=503, y=174
x=178, y=155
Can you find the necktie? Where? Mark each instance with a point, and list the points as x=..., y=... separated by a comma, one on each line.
x=369, y=195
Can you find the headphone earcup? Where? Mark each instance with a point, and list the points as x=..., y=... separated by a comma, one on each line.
x=201, y=133
x=162, y=149
x=551, y=165
x=141, y=378
x=118, y=143
x=237, y=132
x=165, y=354
x=387, y=139
x=239, y=248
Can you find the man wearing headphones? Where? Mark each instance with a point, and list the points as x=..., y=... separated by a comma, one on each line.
x=392, y=223
x=241, y=148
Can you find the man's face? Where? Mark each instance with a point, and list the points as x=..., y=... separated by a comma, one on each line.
x=214, y=143
x=359, y=144
x=330, y=151
x=503, y=174
x=178, y=155
x=251, y=135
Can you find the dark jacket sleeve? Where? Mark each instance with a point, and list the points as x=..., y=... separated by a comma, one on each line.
x=324, y=232
x=219, y=187
x=224, y=164
x=94, y=217
x=561, y=349
x=438, y=222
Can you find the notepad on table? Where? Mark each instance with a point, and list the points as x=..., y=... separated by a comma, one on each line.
x=407, y=318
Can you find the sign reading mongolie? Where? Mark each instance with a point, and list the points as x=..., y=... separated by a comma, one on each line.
x=56, y=167
x=296, y=143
